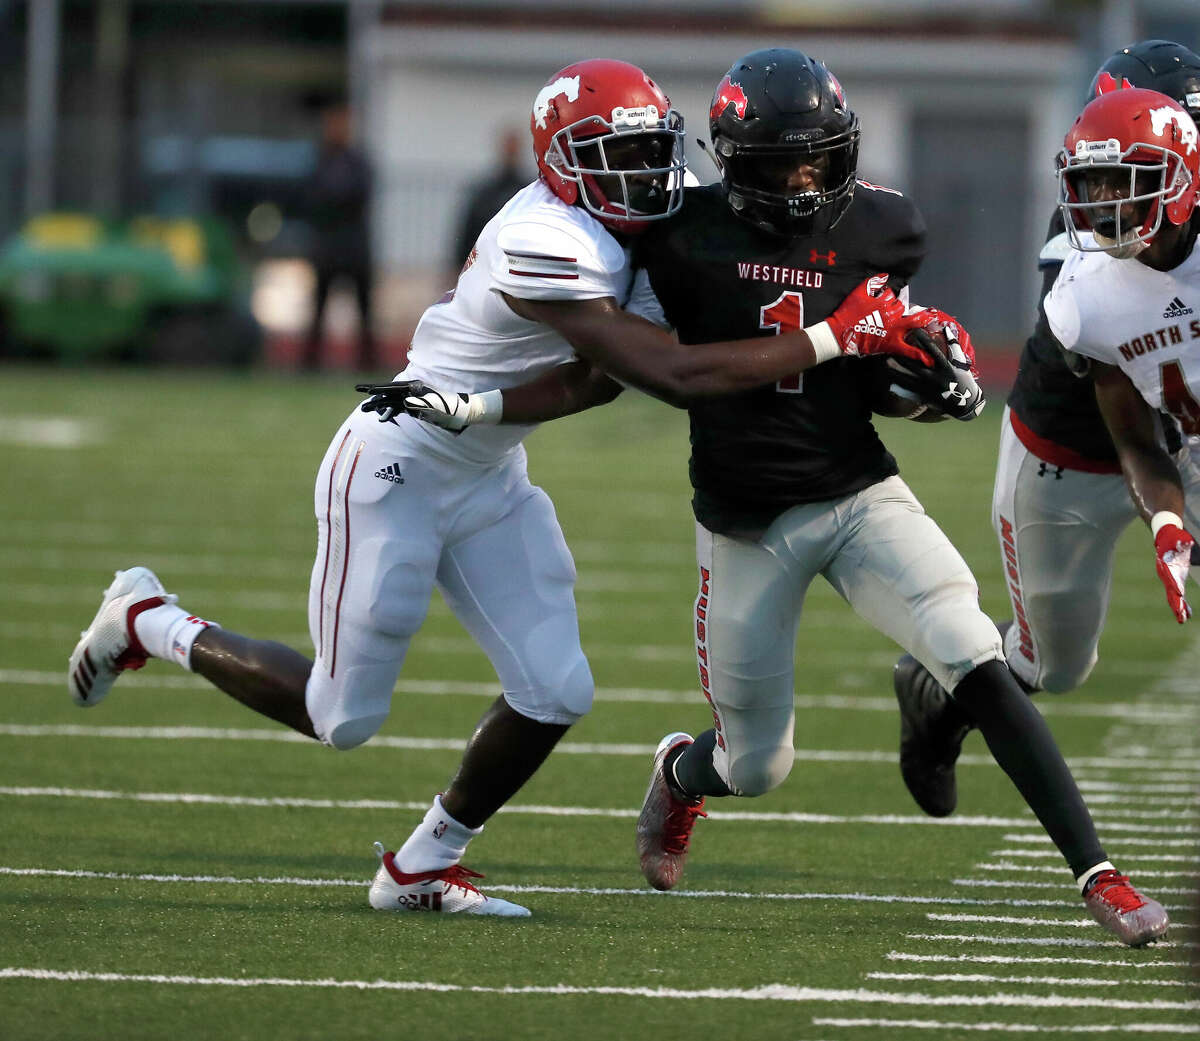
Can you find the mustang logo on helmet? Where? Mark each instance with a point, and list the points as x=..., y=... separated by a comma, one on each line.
x=568, y=86
x=1162, y=118
x=728, y=93
x=1106, y=82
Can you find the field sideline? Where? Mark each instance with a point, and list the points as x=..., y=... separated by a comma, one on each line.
x=174, y=865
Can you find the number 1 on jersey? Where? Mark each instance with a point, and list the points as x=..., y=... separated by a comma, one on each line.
x=785, y=315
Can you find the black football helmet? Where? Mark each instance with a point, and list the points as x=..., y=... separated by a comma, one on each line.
x=1170, y=68
x=774, y=111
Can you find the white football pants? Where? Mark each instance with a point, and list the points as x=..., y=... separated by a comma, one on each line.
x=1058, y=532
x=395, y=517
x=882, y=554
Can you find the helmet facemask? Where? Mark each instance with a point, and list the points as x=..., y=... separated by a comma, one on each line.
x=628, y=170
x=1118, y=195
x=756, y=180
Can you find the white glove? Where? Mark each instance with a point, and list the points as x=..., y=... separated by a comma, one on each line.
x=453, y=412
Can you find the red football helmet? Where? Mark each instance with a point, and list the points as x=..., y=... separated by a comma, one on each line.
x=1132, y=157
x=605, y=135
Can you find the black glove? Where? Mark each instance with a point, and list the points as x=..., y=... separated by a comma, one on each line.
x=947, y=386
x=388, y=398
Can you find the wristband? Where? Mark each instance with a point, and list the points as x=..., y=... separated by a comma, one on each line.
x=1161, y=519
x=487, y=407
x=824, y=344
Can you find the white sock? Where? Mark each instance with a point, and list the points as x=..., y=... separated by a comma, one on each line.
x=1086, y=877
x=439, y=841
x=169, y=632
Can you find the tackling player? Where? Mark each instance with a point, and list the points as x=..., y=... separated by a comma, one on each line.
x=404, y=507
x=791, y=480
x=1060, y=502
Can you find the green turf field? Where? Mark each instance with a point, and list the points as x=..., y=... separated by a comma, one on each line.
x=172, y=865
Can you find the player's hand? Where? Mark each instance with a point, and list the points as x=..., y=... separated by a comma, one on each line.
x=861, y=322
x=1173, y=548
x=446, y=409
x=388, y=398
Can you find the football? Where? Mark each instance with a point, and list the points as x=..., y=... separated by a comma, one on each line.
x=904, y=388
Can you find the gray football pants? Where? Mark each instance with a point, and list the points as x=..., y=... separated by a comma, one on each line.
x=882, y=554
x=1058, y=530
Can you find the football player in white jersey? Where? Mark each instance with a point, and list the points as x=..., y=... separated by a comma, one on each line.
x=1129, y=299
x=1059, y=503
x=403, y=507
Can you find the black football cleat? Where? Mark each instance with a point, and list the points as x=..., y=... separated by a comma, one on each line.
x=932, y=728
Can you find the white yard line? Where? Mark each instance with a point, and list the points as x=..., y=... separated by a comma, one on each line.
x=194, y=733
x=1086, y=1029
x=1040, y=838
x=569, y=890
x=1024, y=883
x=50, y=432
x=767, y=992
x=1134, y=713
x=693, y=894
x=1004, y=959
x=1046, y=869
x=1178, y=858
x=1038, y=941
x=1050, y=981
x=210, y=799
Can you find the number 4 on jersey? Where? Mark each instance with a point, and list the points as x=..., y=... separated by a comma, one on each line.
x=785, y=315
x=1177, y=398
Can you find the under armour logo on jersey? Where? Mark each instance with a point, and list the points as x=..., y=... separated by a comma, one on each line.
x=828, y=258
x=1176, y=309
x=871, y=324
x=1043, y=469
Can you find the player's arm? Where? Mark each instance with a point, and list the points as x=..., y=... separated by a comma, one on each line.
x=1153, y=479
x=563, y=391
x=638, y=353
x=1152, y=476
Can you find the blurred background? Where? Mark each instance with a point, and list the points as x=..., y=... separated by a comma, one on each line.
x=232, y=182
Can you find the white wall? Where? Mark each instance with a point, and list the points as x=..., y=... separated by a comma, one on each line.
x=439, y=94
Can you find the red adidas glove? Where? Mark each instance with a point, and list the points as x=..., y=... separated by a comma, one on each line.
x=860, y=324
x=1173, y=547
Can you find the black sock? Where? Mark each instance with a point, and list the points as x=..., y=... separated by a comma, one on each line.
x=1004, y=627
x=1021, y=742
x=694, y=775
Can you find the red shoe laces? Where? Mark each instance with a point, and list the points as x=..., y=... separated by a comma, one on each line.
x=1116, y=891
x=677, y=828
x=458, y=877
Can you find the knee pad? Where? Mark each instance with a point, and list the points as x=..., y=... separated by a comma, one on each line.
x=350, y=733
x=759, y=770
x=563, y=698
x=348, y=710
x=956, y=636
x=1059, y=677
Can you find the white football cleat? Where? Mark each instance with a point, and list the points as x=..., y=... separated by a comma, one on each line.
x=449, y=890
x=109, y=645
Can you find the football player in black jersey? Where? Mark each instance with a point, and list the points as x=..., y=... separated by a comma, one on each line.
x=791, y=480
x=1060, y=502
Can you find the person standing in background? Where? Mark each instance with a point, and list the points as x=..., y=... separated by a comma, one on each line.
x=485, y=197
x=336, y=201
